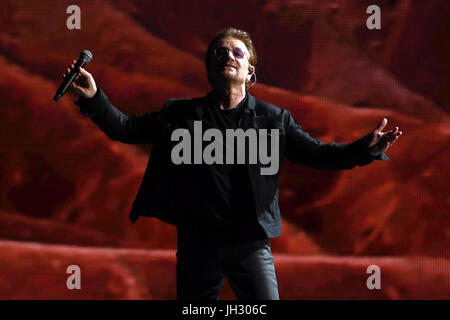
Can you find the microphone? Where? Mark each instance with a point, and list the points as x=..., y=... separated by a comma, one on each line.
x=85, y=57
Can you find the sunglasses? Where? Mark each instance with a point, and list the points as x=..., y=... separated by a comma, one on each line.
x=221, y=52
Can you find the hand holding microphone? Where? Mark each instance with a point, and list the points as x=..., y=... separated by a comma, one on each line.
x=77, y=79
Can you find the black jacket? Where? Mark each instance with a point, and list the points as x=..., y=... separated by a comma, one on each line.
x=154, y=196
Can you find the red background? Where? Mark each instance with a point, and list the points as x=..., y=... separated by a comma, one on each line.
x=66, y=189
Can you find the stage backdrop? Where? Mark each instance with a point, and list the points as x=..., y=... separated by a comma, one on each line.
x=66, y=189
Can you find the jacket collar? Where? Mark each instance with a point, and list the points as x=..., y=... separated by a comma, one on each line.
x=251, y=102
x=249, y=106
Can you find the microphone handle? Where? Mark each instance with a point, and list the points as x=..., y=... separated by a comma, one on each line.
x=69, y=79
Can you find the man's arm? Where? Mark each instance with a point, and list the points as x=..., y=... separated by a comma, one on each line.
x=303, y=149
x=139, y=128
x=93, y=103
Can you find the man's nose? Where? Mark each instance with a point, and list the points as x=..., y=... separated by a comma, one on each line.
x=230, y=55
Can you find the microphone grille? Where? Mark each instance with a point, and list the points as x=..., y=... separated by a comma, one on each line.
x=86, y=54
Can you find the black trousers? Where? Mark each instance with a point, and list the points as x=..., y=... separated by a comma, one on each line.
x=248, y=267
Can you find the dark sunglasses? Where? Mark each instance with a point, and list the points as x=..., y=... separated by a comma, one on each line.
x=221, y=52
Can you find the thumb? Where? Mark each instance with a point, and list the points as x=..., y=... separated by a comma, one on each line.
x=376, y=133
x=88, y=77
x=381, y=125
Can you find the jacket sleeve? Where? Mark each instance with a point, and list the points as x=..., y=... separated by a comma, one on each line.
x=134, y=129
x=303, y=149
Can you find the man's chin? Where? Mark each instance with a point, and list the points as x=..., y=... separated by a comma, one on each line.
x=226, y=78
x=229, y=75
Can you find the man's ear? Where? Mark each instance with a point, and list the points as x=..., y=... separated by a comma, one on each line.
x=251, y=70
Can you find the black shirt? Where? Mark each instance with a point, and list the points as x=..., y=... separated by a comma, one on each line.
x=226, y=214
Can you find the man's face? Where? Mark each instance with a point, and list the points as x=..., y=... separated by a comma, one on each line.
x=229, y=62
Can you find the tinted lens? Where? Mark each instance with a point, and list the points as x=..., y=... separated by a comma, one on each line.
x=238, y=53
x=221, y=51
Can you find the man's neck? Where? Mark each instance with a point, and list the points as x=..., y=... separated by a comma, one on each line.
x=228, y=97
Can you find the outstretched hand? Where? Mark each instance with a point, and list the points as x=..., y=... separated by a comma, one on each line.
x=381, y=141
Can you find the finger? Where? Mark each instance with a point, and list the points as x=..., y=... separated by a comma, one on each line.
x=393, y=131
x=390, y=134
x=386, y=146
x=396, y=138
x=398, y=134
x=84, y=72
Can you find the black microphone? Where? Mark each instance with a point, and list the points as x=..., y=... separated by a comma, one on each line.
x=85, y=57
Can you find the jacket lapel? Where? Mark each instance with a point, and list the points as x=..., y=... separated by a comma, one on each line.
x=247, y=121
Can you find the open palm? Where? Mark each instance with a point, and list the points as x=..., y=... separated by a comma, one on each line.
x=381, y=141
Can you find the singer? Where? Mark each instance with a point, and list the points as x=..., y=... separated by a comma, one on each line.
x=225, y=213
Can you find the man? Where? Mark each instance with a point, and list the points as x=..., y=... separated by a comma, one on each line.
x=225, y=211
